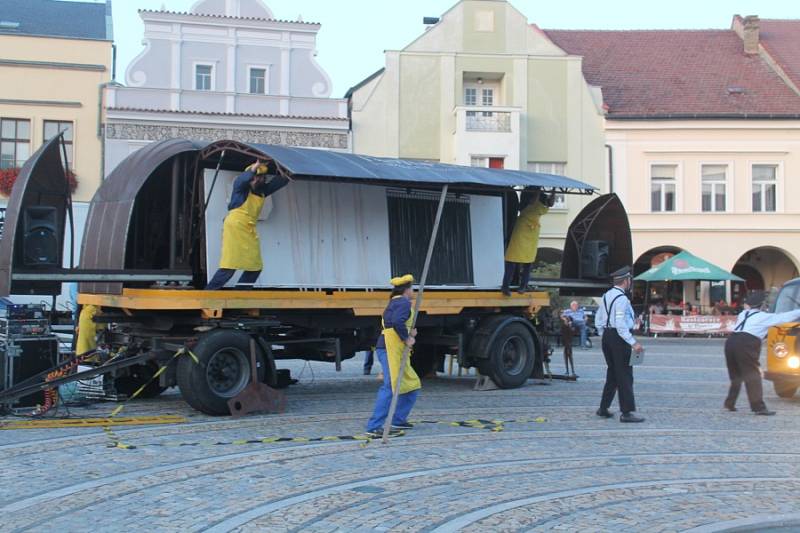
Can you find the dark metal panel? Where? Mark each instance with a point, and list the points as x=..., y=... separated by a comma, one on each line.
x=323, y=164
x=41, y=182
x=105, y=238
x=604, y=219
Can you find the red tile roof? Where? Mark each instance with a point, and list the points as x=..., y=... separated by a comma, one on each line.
x=678, y=73
x=781, y=39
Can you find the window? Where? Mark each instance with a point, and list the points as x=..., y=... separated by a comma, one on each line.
x=470, y=96
x=53, y=128
x=559, y=169
x=15, y=142
x=487, y=97
x=203, y=77
x=662, y=188
x=765, y=185
x=258, y=80
x=713, y=179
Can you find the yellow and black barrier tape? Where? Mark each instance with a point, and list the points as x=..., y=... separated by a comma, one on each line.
x=114, y=440
x=493, y=426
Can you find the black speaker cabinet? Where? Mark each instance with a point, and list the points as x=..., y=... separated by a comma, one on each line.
x=594, y=260
x=40, y=240
x=24, y=357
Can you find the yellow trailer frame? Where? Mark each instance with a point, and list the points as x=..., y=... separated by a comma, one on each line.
x=214, y=304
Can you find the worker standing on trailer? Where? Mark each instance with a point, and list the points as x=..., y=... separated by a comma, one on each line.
x=524, y=242
x=614, y=322
x=240, y=247
x=397, y=318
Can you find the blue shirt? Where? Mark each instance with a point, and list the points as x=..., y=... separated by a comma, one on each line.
x=395, y=316
x=241, y=188
x=757, y=323
x=575, y=316
x=615, y=311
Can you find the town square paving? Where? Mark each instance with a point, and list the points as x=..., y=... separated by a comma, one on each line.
x=544, y=462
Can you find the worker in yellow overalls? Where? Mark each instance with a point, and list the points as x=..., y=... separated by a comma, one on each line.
x=240, y=247
x=87, y=329
x=397, y=319
x=524, y=242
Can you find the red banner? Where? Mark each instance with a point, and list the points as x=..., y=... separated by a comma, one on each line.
x=701, y=324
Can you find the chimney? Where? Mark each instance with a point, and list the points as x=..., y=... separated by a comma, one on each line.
x=748, y=31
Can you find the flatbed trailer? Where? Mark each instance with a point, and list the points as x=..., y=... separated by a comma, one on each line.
x=149, y=216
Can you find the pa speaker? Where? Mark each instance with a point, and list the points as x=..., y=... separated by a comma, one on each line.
x=32, y=355
x=40, y=241
x=594, y=260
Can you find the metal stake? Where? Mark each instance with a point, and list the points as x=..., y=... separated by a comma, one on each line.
x=213, y=182
x=417, y=304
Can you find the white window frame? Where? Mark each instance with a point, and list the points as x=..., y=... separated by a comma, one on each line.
x=678, y=186
x=213, y=66
x=473, y=88
x=551, y=167
x=729, y=184
x=778, y=186
x=266, y=69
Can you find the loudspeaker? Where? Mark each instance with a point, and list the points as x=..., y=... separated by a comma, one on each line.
x=25, y=357
x=40, y=241
x=594, y=260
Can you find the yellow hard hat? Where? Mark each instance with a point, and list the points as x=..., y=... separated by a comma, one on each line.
x=408, y=279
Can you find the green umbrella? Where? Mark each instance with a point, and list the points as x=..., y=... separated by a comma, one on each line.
x=686, y=267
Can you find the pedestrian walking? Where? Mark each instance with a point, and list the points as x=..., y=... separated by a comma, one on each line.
x=397, y=319
x=743, y=350
x=614, y=322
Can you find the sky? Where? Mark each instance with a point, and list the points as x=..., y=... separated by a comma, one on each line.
x=355, y=33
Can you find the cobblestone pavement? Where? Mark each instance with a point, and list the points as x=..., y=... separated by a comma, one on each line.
x=690, y=467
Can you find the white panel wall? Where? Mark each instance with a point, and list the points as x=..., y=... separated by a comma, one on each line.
x=327, y=235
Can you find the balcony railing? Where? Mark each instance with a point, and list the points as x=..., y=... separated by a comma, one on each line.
x=489, y=121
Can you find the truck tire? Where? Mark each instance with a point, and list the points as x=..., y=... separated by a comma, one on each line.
x=221, y=373
x=511, y=356
x=783, y=390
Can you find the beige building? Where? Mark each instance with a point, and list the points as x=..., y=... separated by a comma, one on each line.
x=55, y=57
x=703, y=135
x=483, y=87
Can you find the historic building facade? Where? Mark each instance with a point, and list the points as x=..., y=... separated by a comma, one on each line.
x=703, y=138
x=483, y=87
x=225, y=69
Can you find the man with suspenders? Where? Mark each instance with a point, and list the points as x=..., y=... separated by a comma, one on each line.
x=743, y=350
x=614, y=322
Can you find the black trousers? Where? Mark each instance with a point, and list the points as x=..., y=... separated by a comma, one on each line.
x=221, y=277
x=619, y=375
x=742, y=352
x=517, y=271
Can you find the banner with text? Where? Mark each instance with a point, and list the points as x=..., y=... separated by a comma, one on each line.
x=701, y=324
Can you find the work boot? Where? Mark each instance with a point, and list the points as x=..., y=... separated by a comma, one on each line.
x=764, y=412
x=730, y=407
x=506, y=291
x=630, y=417
x=604, y=413
x=402, y=425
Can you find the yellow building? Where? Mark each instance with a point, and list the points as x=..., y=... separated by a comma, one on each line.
x=703, y=135
x=481, y=86
x=55, y=57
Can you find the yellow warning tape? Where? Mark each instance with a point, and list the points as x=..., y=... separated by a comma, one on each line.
x=54, y=423
x=114, y=441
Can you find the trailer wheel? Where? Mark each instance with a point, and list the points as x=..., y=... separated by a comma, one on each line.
x=511, y=357
x=222, y=371
x=783, y=390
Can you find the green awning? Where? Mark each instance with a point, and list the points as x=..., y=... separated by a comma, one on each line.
x=686, y=267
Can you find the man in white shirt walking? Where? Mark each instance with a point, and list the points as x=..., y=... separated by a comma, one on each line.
x=614, y=322
x=743, y=350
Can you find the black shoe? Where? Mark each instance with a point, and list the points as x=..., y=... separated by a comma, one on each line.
x=404, y=425
x=764, y=412
x=367, y=371
x=731, y=408
x=604, y=413
x=630, y=417
x=506, y=292
x=378, y=433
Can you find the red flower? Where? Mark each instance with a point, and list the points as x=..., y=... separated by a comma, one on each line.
x=9, y=175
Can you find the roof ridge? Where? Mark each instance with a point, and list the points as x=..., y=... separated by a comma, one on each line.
x=212, y=15
x=221, y=113
x=661, y=30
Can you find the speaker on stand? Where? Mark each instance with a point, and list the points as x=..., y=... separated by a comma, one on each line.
x=40, y=239
x=594, y=260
